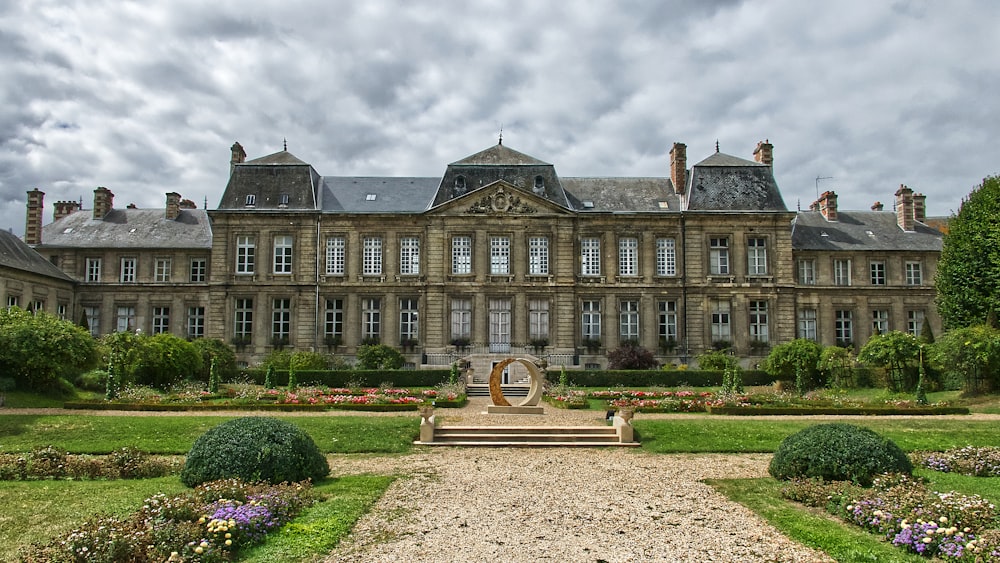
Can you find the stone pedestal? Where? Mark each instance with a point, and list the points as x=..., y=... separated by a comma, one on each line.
x=500, y=409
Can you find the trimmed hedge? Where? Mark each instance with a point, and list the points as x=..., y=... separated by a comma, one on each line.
x=838, y=452
x=661, y=378
x=186, y=407
x=365, y=378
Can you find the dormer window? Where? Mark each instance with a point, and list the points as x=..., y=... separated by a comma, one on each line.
x=460, y=184
x=251, y=200
x=539, y=185
x=588, y=204
x=370, y=197
x=283, y=199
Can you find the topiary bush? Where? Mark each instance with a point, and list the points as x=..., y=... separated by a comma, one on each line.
x=254, y=449
x=838, y=452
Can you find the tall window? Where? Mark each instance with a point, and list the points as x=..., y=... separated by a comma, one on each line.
x=333, y=319
x=125, y=321
x=538, y=319
x=461, y=255
x=628, y=256
x=499, y=325
x=878, y=272
x=842, y=272
x=199, y=270
x=93, y=269
x=336, y=248
x=283, y=254
x=409, y=256
x=758, y=321
x=61, y=309
x=161, y=270
x=93, y=319
x=591, y=320
x=843, y=327
x=371, y=318
x=243, y=323
x=195, y=322
x=807, y=324
x=756, y=257
x=161, y=320
x=281, y=319
x=807, y=271
x=461, y=319
x=408, y=325
x=628, y=321
x=590, y=257
x=880, y=321
x=721, y=329
x=128, y=270
x=913, y=273
x=499, y=255
x=371, y=256
x=666, y=257
x=538, y=256
x=914, y=322
x=246, y=248
x=13, y=301
x=718, y=255
x=667, y=322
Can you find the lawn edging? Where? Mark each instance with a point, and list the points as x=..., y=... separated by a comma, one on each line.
x=847, y=411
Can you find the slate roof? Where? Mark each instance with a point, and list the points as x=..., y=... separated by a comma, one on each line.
x=500, y=163
x=130, y=228
x=350, y=194
x=277, y=181
x=499, y=155
x=17, y=255
x=724, y=182
x=621, y=194
x=860, y=231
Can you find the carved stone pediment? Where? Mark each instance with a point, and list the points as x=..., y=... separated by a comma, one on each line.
x=499, y=202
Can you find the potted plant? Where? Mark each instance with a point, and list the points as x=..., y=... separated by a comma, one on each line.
x=591, y=344
x=668, y=345
x=279, y=342
x=332, y=341
x=539, y=344
x=461, y=343
x=241, y=341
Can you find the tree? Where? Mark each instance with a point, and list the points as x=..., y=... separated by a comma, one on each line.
x=379, y=356
x=973, y=353
x=968, y=272
x=631, y=356
x=716, y=360
x=307, y=361
x=164, y=359
x=895, y=351
x=38, y=349
x=798, y=357
x=213, y=349
x=836, y=363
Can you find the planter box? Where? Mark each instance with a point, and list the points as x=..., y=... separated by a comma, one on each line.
x=847, y=411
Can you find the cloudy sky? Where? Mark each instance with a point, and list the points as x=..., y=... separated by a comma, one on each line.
x=147, y=97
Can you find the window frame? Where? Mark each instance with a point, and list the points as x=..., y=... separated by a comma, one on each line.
x=666, y=257
x=283, y=246
x=538, y=255
x=590, y=256
x=336, y=255
x=461, y=255
x=409, y=256
x=877, y=272
x=246, y=254
x=93, y=266
x=806, y=321
x=628, y=320
x=757, y=256
x=718, y=256
x=628, y=256
x=371, y=255
x=162, y=268
x=914, y=272
x=159, y=319
x=127, y=273
x=198, y=272
x=842, y=272
x=499, y=255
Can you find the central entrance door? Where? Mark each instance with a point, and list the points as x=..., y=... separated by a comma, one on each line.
x=499, y=326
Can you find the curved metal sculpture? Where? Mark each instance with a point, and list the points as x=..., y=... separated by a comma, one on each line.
x=534, y=392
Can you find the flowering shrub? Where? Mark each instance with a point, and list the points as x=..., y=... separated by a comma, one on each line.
x=655, y=401
x=200, y=526
x=564, y=397
x=348, y=396
x=52, y=463
x=978, y=462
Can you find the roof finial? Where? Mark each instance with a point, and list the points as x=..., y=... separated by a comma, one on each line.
x=501, y=133
x=716, y=146
x=284, y=141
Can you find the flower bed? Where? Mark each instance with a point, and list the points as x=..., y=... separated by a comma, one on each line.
x=750, y=410
x=656, y=401
x=976, y=462
x=569, y=400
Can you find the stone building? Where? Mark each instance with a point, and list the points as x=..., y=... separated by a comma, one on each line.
x=499, y=255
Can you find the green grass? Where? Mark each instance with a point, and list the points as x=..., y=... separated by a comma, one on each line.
x=321, y=527
x=844, y=542
x=986, y=487
x=175, y=434
x=25, y=400
x=36, y=511
x=710, y=434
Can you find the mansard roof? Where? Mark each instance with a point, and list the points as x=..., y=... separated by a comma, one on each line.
x=276, y=181
x=17, y=255
x=724, y=182
x=861, y=231
x=130, y=228
x=368, y=194
x=595, y=195
x=499, y=155
x=525, y=173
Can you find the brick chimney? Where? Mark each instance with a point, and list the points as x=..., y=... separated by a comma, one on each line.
x=103, y=202
x=827, y=205
x=678, y=167
x=64, y=208
x=877, y=206
x=919, y=207
x=764, y=153
x=173, y=205
x=239, y=156
x=187, y=204
x=33, y=222
x=904, y=208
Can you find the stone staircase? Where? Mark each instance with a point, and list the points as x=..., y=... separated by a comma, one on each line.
x=527, y=436
x=483, y=390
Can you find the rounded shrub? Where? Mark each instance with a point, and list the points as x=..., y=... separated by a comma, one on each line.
x=838, y=452
x=254, y=449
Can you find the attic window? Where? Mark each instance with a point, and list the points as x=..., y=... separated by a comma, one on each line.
x=460, y=183
x=370, y=197
x=823, y=234
x=251, y=200
x=869, y=233
x=67, y=230
x=539, y=185
x=588, y=204
x=283, y=199
x=664, y=204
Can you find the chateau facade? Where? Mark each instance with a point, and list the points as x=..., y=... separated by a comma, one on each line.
x=498, y=256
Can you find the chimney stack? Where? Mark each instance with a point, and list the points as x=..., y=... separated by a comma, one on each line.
x=187, y=204
x=827, y=205
x=877, y=206
x=173, y=205
x=33, y=224
x=764, y=153
x=904, y=208
x=239, y=156
x=103, y=202
x=919, y=207
x=678, y=167
x=64, y=208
